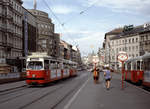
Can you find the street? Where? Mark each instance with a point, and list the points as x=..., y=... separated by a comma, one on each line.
x=37, y=97
x=76, y=93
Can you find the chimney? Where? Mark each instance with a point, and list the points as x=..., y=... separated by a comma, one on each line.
x=35, y=4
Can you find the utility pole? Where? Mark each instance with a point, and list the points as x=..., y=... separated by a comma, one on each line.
x=35, y=4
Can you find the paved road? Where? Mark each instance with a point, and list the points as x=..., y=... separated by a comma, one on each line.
x=41, y=97
x=95, y=96
x=76, y=93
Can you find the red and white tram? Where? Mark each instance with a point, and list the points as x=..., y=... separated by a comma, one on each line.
x=146, y=69
x=137, y=70
x=133, y=70
x=41, y=69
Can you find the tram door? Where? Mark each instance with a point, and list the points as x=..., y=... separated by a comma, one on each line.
x=47, y=69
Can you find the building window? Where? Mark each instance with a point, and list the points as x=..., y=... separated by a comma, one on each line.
x=129, y=40
x=117, y=50
x=126, y=49
x=132, y=55
x=129, y=48
x=136, y=39
x=146, y=37
x=123, y=41
x=132, y=40
x=136, y=47
x=133, y=48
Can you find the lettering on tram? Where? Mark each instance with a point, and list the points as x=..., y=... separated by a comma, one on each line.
x=42, y=69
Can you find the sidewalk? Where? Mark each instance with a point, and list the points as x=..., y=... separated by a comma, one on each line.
x=95, y=96
x=13, y=85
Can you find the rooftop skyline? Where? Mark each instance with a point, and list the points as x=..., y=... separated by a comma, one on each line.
x=85, y=22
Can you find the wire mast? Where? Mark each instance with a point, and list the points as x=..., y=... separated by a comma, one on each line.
x=35, y=4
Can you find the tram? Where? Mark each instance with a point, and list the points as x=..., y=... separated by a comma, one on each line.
x=137, y=70
x=42, y=69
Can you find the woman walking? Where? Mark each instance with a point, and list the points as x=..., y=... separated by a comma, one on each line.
x=107, y=76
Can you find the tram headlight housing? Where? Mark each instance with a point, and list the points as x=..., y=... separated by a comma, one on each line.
x=28, y=73
x=33, y=75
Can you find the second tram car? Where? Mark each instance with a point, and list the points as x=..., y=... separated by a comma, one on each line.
x=137, y=70
x=41, y=69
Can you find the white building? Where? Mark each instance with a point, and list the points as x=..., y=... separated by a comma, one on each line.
x=128, y=41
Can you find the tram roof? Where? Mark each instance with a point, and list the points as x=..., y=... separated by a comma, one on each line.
x=134, y=59
x=147, y=55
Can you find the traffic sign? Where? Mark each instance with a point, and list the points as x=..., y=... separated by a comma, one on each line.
x=122, y=56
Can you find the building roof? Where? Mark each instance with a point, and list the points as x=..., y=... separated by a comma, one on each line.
x=135, y=30
x=115, y=31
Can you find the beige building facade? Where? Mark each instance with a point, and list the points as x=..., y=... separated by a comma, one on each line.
x=129, y=42
x=11, y=29
x=45, y=35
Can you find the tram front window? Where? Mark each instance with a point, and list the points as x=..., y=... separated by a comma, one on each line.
x=35, y=65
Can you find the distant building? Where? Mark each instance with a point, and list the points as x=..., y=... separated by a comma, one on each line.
x=69, y=52
x=56, y=46
x=29, y=32
x=101, y=55
x=11, y=29
x=134, y=41
x=106, y=44
x=145, y=40
x=11, y=38
x=45, y=32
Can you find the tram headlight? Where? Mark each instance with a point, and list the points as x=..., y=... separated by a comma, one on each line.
x=28, y=73
x=33, y=75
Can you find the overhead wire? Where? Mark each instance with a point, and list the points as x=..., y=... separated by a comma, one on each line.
x=63, y=24
x=58, y=20
x=81, y=12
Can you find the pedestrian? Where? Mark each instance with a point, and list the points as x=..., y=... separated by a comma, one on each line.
x=108, y=77
x=96, y=75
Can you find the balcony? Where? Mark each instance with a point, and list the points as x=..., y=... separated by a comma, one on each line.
x=10, y=45
x=9, y=16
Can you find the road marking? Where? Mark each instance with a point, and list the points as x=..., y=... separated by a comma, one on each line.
x=76, y=94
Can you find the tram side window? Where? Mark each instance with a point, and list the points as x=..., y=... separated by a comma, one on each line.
x=129, y=66
x=53, y=65
x=138, y=65
x=58, y=65
x=46, y=64
x=134, y=65
x=147, y=64
x=65, y=66
x=142, y=65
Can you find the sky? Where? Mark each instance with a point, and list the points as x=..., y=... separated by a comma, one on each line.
x=83, y=23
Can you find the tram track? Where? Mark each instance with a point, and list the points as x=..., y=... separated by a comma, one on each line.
x=66, y=95
x=6, y=90
x=39, y=98
x=56, y=91
x=11, y=90
x=38, y=88
x=14, y=97
x=59, y=96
